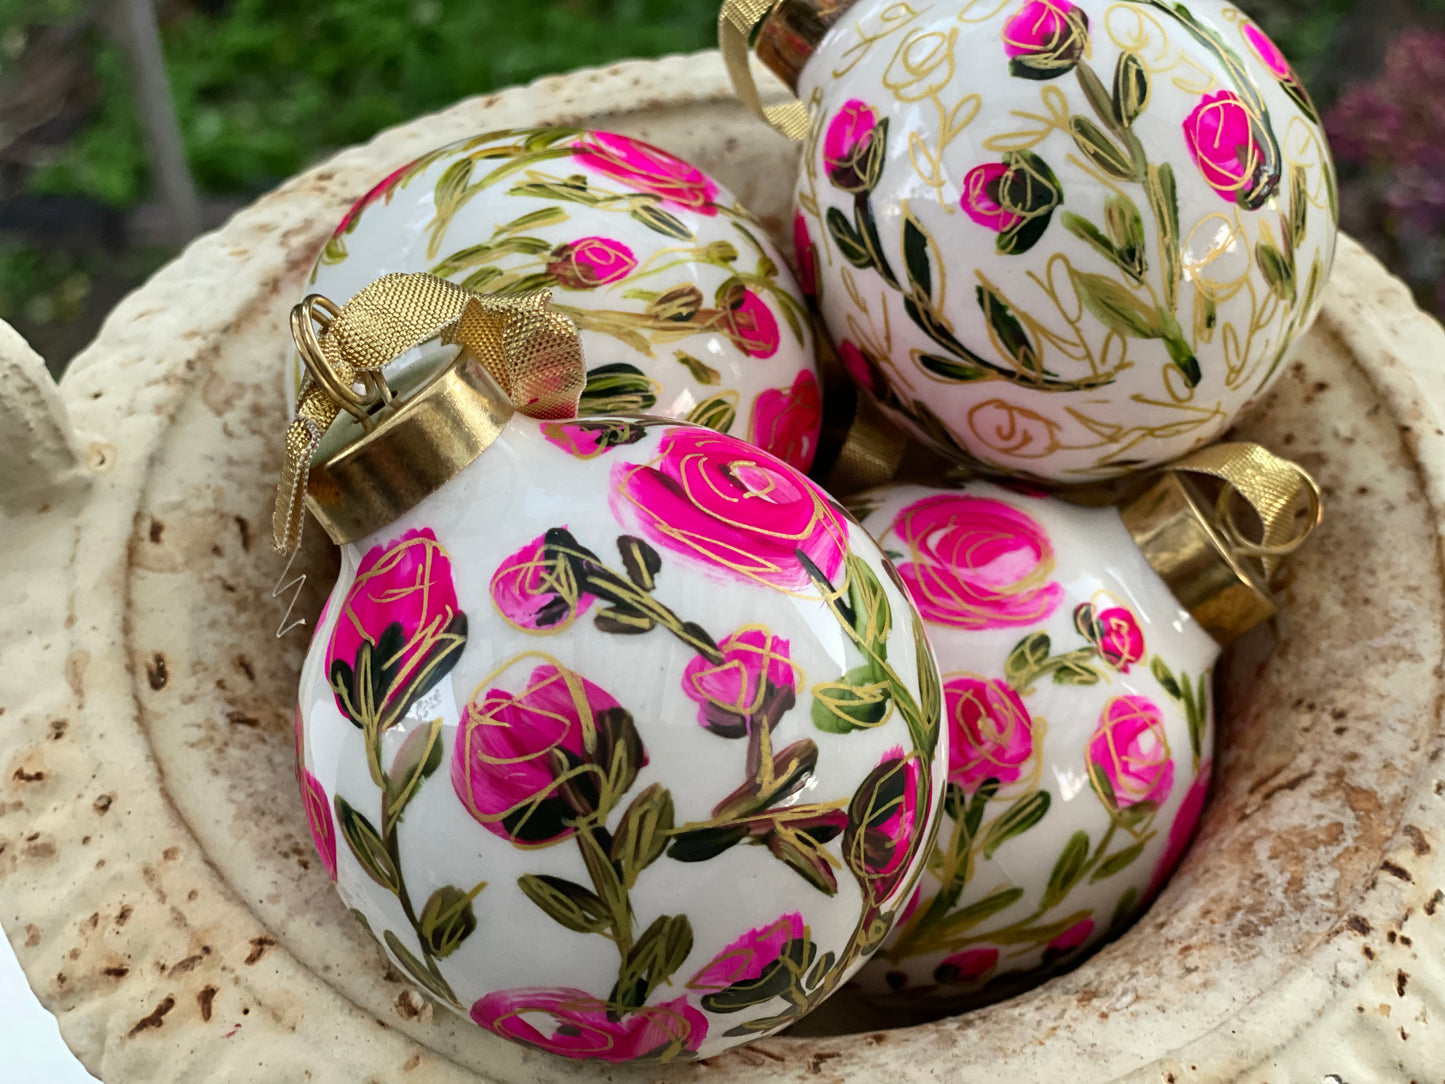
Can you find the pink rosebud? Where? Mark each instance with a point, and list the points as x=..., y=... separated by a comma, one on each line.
x=574, y=1024
x=968, y=967
x=990, y=732
x=590, y=262
x=382, y=188
x=1268, y=53
x=1181, y=832
x=648, y=169
x=786, y=421
x=755, y=683
x=1221, y=138
x=1045, y=38
x=1121, y=641
x=848, y=155
x=533, y=591
x=976, y=563
x=732, y=508
x=590, y=437
x=750, y=956
x=981, y=197
x=1129, y=759
x=805, y=256
x=750, y=324
x=863, y=369
x=886, y=824
x=514, y=750
x=1073, y=937
x=319, y=818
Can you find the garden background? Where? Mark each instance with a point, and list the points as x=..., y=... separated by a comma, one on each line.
x=262, y=88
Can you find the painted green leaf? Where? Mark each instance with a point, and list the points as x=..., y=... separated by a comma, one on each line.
x=1123, y=911
x=1126, y=227
x=656, y=954
x=366, y=845
x=1116, y=862
x=1131, y=88
x=957, y=372
x=640, y=561
x=447, y=919
x=1024, y=661
x=857, y=701
x=701, y=371
x=659, y=221
x=534, y=220
x=642, y=833
x=418, y=971
x=419, y=756
x=1164, y=205
x=849, y=241
x=1299, y=205
x=806, y=858
x=1067, y=870
x=973, y=816
x=1115, y=307
x=1019, y=818
x=478, y=281
x=1099, y=98
x=1135, y=816
x=702, y=844
x=717, y=412
x=1074, y=669
x=618, y=388
x=1092, y=236
x=1276, y=270
x=1181, y=353
x=1009, y=334
x=872, y=615
x=1165, y=677
x=915, y=258
x=1099, y=149
x=1000, y=899
x=566, y=902
x=930, y=692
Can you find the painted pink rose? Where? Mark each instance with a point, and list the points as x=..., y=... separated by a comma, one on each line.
x=751, y=955
x=1072, y=938
x=733, y=509
x=982, y=189
x=1181, y=832
x=649, y=169
x=756, y=681
x=968, y=967
x=528, y=765
x=863, y=369
x=590, y=262
x=1221, y=138
x=574, y=1024
x=1045, y=38
x=588, y=438
x=535, y=593
x=786, y=421
x=848, y=153
x=747, y=320
x=318, y=816
x=1129, y=760
x=399, y=631
x=1119, y=638
x=1268, y=53
x=990, y=732
x=976, y=563
x=805, y=256
x=887, y=822
x=382, y=188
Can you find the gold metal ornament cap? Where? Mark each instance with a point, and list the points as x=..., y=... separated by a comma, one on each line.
x=785, y=34
x=792, y=32
x=1197, y=547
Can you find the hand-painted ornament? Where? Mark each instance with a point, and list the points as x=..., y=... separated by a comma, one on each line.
x=686, y=307
x=1077, y=697
x=618, y=734
x=1062, y=239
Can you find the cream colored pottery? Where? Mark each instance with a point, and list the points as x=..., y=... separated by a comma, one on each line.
x=156, y=873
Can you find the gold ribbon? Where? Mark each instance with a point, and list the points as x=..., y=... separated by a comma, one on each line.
x=735, y=26
x=530, y=350
x=1272, y=486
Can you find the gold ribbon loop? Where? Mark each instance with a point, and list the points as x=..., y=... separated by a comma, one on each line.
x=529, y=349
x=1277, y=489
x=736, y=23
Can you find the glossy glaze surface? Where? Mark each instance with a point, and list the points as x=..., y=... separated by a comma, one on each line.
x=625, y=743
x=1079, y=708
x=1062, y=239
x=687, y=309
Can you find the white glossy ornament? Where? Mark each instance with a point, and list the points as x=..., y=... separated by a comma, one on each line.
x=686, y=307
x=1062, y=240
x=1078, y=703
x=591, y=740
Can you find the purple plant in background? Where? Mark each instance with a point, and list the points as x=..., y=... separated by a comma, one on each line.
x=1393, y=129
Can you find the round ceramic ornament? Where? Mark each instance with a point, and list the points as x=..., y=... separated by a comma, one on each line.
x=1058, y=239
x=616, y=732
x=1077, y=693
x=686, y=307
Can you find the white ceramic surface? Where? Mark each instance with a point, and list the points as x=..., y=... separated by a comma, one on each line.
x=629, y=737
x=1062, y=239
x=687, y=308
x=1080, y=714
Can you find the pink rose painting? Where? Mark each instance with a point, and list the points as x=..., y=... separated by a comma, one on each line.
x=976, y=563
x=756, y=682
x=733, y=509
x=1015, y=199
x=849, y=157
x=1181, y=832
x=590, y=262
x=863, y=369
x=536, y=594
x=318, y=816
x=1222, y=141
x=982, y=199
x=528, y=765
x=590, y=437
x=646, y=168
x=1128, y=757
x=383, y=188
x=1045, y=38
x=805, y=256
x=574, y=1024
x=967, y=968
x=886, y=822
x=1071, y=938
x=750, y=324
x=751, y=956
x=399, y=631
x=1268, y=53
x=990, y=732
x=786, y=421
x=1115, y=632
